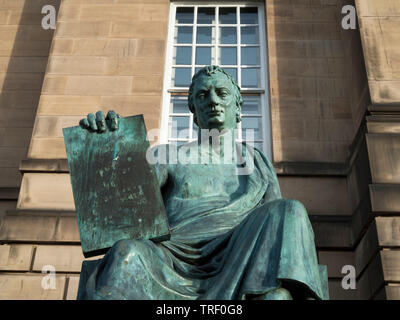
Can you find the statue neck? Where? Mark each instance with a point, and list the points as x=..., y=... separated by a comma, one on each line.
x=218, y=143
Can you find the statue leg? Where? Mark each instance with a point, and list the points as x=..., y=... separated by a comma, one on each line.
x=122, y=273
x=136, y=270
x=297, y=240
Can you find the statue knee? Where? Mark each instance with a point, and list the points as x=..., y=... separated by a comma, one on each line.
x=296, y=208
x=288, y=206
x=294, y=204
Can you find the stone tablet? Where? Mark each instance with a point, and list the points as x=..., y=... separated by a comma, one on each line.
x=116, y=191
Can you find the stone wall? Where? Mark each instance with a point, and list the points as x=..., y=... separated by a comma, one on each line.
x=309, y=72
x=104, y=54
x=111, y=55
x=380, y=32
x=24, y=50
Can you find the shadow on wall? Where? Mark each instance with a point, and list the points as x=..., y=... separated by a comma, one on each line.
x=316, y=84
x=24, y=51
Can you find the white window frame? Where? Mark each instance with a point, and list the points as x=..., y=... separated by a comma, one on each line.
x=263, y=91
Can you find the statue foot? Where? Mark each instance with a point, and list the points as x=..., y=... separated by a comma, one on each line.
x=276, y=294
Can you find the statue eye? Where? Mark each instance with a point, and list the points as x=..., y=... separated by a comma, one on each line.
x=223, y=94
x=201, y=95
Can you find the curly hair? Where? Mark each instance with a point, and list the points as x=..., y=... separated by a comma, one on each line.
x=209, y=70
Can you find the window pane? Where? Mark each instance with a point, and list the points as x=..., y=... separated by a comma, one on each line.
x=203, y=55
x=184, y=34
x=205, y=15
x=204, y=35
x=251, y=128
x=181, y=77
x=227, y=15
x=251, y=106
x=250, y=55
x=249, y=35
x=183, y=55
x=232, y=72
x=184, y=15
x=179, y=106
x=250, y=78
x=248, y=15
x=228, y=35
x=179, y=127
x=228, y=55
x=194, y=48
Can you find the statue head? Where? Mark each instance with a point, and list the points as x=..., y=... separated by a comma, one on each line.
x=214, y=99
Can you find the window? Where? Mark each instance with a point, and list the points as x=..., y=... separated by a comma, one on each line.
x=231, y=36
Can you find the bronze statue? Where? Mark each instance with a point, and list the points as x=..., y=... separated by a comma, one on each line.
x=232, y=235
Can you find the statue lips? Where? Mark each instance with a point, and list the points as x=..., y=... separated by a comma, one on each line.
x=215, y=113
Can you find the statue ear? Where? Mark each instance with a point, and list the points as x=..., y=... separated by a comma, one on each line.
x=238, y=117
x=195, y=119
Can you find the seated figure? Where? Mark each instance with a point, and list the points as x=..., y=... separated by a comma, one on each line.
x=232, y=234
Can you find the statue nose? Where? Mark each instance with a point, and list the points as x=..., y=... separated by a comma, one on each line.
x=214, y=101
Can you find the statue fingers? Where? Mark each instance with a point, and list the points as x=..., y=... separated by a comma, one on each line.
x=113, y=119
x=84, y=123
x=92, y=122
x=101, y=121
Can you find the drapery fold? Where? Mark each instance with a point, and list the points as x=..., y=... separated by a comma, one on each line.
x=221, y=247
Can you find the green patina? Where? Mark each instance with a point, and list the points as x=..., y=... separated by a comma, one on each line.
x=111, y=192
x=232, y=235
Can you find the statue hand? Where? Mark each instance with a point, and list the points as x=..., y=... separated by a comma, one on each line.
x=99, y=123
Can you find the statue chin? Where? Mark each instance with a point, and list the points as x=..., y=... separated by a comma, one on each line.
x=215, y=122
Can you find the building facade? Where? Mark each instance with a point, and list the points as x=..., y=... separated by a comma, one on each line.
x=323, y=102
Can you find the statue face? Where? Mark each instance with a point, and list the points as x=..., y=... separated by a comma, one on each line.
x=214, y=102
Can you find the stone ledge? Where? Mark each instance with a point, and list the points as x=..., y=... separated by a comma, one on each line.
x=385, y=198
x=52, y=227
x=392, y=291
x=9, y=193
x=282, y=168
x=311, y=168
x=64, y=258
x=385, y=109
x=382, y=150
x=16, y=257
x=39, y=228
x=44, y=165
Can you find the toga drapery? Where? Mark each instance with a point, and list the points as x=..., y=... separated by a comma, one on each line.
x=223, y=245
